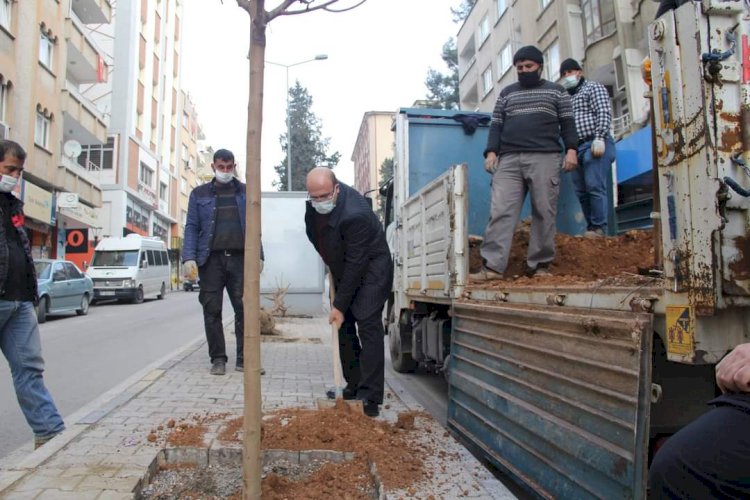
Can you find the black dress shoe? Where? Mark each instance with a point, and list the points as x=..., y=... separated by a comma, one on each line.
x=370, y=408
x=349, y=392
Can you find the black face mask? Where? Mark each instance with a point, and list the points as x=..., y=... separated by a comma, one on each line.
x=530, y=78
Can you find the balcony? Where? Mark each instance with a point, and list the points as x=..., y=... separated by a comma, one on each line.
x=82, y=120
x=85, y=58
x=92, y=11
x=620, y=125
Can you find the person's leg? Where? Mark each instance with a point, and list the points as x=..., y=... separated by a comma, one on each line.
x=508, y=192
x=21, y=345
x=211, y=296
x=579, y=183
x=708, y=458
x=235, y=266
x=350, y=351
x=542, y=174
x=372, y=360
x=596, y=175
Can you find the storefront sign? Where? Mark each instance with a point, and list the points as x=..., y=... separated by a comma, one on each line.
x=37, y=203
x=67, y=200
x=84, y=214
x=77, y=241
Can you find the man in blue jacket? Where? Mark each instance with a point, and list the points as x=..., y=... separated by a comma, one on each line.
x=350, y=239
x=214, y=249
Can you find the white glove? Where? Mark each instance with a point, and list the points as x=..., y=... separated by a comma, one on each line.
x=490, y=163
x=597, y=148
x=190, y=268
x=261, y=265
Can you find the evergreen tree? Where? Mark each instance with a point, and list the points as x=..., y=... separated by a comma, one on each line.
x=386, y=172
x=309, y=149
x=462, y=11
x=442, y=89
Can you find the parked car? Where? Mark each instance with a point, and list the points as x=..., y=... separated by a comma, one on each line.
x=189, y=285
x=63, y=288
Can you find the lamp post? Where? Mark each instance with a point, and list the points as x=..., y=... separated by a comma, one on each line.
x=319, y=57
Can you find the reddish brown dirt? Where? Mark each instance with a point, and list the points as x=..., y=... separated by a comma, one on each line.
x=578, y=260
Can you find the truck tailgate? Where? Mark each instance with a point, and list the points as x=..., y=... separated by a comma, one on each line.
x=557, y=397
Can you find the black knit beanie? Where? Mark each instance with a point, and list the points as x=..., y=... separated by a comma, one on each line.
x=528, y=53
x=569, y=64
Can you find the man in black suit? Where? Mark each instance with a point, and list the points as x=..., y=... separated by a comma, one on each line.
x=349, y=238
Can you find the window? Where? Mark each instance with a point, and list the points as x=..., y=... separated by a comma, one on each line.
x=162, y=191
x=73, y=272
x=5, y=12
x=487, y=81
x=502, y=6
x=504, y=60
x=185, y=120
x=183, y=217
x=4, y=90
x=185, y=156
x=183, y=185
x=598, y=19
x=543, y=4
x=98, y=156
x=552, y=62
x=41, y=131
x=146, y=175
x=484, y=29
x=46, y=44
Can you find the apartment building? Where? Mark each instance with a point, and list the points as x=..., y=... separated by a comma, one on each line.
x=48, y=57
x=141, y=192
x=374, y=144
x=191, y=162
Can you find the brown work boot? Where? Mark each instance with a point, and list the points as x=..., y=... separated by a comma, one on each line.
x=485, y=274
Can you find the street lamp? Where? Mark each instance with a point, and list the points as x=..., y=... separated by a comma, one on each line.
x=319, y=57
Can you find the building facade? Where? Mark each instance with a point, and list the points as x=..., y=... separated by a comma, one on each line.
x=48, y=59
x=374, y=145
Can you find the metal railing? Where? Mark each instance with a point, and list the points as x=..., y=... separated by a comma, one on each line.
x=621, y=125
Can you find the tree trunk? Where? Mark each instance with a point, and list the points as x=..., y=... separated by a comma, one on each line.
x=252, y=458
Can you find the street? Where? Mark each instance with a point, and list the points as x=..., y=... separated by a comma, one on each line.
x=88, y=355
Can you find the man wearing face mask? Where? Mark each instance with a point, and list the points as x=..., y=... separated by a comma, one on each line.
x=350, y=239
x=596, y=148
x=214, y=249
x=19, y=331
x=523, y=154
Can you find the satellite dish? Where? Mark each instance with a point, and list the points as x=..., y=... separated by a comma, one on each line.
x=72, y=149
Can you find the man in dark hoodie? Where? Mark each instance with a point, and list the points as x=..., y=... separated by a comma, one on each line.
x=532, y=117
x=19, y=331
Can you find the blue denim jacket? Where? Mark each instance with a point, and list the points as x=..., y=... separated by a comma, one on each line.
x=201, y=220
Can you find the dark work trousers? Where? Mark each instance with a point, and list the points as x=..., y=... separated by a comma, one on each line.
x=708, y=458
x=362, y=357
x=223, y=269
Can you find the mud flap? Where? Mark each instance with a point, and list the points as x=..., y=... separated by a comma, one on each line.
x=556, y=397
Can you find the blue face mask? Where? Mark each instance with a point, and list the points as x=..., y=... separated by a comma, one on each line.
x=324, y=207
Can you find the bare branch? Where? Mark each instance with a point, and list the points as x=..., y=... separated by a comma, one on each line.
x=245, y=5
x=279, y=10
x=323, y=6
x=347, y=8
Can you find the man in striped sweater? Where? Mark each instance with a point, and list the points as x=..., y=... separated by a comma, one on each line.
x=531, y=119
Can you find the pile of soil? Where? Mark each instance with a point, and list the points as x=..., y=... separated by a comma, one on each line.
x=577, y=259
x=394, y=450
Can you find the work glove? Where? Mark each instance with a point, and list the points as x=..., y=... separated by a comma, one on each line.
x=190, y=268
x=490, y=162
x=597, y=148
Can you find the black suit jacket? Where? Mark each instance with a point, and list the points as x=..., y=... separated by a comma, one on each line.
x=353, y=246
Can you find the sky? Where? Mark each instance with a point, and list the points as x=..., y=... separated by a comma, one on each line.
x=378, y=58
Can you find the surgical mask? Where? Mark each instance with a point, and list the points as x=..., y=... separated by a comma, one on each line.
x=529, y=78
x=570, y=82
x=7, y=183
x=223, y=177
x=324, y=207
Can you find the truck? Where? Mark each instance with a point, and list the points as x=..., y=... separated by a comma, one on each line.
x=569, y=388
x=130, y=268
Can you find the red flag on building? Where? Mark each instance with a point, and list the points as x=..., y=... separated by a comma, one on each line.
x=101, y=70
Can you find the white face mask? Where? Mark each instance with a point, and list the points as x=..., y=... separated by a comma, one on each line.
x=7, y=183
x=223, y=177
x=324, y=207
x=570, y=81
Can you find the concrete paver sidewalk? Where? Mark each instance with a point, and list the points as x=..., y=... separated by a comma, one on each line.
x=105, y=452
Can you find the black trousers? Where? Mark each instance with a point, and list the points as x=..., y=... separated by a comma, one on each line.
x=708, y=458
x=223, y=269
x=362, y=358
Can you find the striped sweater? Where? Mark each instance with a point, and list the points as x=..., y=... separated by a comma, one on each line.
x=532, y=120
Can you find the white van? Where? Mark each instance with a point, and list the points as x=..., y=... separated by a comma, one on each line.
x=130, y=268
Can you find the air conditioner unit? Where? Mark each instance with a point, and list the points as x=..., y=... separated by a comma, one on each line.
x=4, y=131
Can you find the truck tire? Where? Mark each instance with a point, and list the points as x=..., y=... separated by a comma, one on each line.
x=138, y=297
x=401, y=361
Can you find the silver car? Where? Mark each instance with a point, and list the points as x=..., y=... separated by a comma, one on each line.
x=63, y=288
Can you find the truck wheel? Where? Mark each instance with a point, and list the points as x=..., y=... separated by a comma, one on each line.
x=42, y=308
x=162, y=292
x=138, y=299
x=401, y=361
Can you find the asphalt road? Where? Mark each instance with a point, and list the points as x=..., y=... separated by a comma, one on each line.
x=86, y=356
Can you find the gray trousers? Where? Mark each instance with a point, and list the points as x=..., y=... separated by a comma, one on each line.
x=515, y=175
